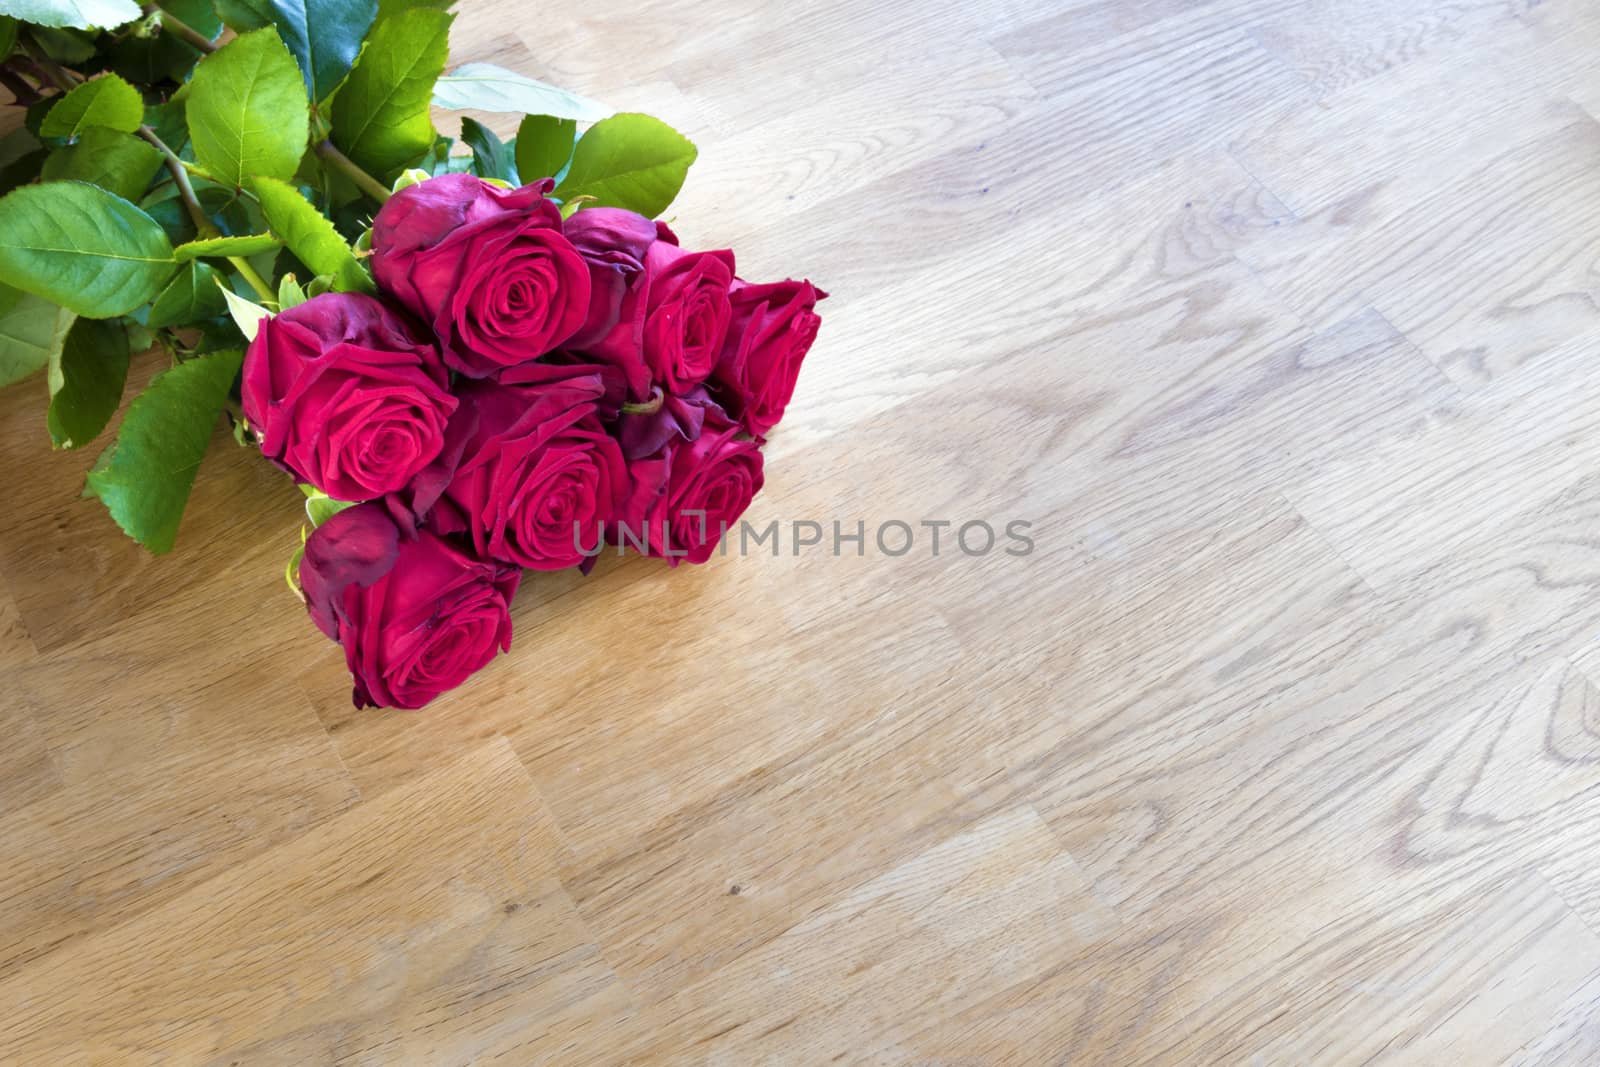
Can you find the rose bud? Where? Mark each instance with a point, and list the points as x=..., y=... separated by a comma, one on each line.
x=772, y=329
x=416, y=615
x=692, y=472
x=671, y=320
x=534, y=472
x=487, y=268
x=346, y=395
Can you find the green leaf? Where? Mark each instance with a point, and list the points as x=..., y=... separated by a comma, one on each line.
x=105, y=101
x=309, y=234
x=243, y=16
x=164, y=56
x=491, y=158
x=192, y=297
x=320, y=507
x=289, y=293
x=119, y=163
x=82, y=247
x=322, y=35
x=32, y=331
x=247, y=314
x=486, y=87
x=222, y=247
x=544, y=145
x=145, y=477
x=247, y=110
x=86, y=379
x=380, y=116
x=79, y=14
x=21, y=156
x=629, y=161
x=390, y=8
x=8, y=35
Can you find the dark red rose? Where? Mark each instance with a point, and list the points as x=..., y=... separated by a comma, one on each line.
x=487, y=268
x=532, y=470
x=772, y=330
x=415, y=614
x=346, y=395
x=672, y=318
x=692, y=472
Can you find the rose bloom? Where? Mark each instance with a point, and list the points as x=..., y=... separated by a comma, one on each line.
x=692, y=472
x=673, y=312
x=346, y=395
x=531, y=469
x=415, y=614
x=771, y=332
x=487, y=268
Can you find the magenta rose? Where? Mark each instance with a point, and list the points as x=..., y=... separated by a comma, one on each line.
x=345, y=394
x=772, y=330
x=531, y=470
x=671, y=320
x=692, y=473
x=415, y=614
x=487, y=268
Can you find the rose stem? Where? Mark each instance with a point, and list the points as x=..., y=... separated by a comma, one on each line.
x=61, y=78
x=178, y=28
x=366, y=182
x=203, y=225
x=26, y=94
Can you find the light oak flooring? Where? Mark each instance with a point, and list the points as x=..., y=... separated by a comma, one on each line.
x=1279, y=320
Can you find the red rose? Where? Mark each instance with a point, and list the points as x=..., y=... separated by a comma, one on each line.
x=487, y=268
x=773, y=327
x=692, y=472
x=671, y=321
x=345, y=395
x=533, y=470
x=415, y=615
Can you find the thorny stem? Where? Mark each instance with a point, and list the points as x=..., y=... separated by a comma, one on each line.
x=203, y=225
x=26, y=95
x=364, y=181
x=170, y=23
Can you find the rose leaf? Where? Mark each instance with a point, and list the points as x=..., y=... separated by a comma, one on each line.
x=145, y=476
x=247, y=110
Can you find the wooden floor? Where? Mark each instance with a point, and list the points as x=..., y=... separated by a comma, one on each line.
x=1279, y=320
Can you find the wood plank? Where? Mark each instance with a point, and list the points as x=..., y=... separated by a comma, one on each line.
x=423, y=926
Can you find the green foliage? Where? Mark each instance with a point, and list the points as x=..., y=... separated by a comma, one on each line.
x=111, y=252
x=491, y=158
x=32, y=331
x=106, y=101
x=320, y=507
x=119, y=163
x=486, y=87
x=289, y=293
x=629, y=161
x=86, y=379
x=310, y=235
x=247, y=315
x=324, y=36
x=222, y=247
x=380, y=116
x=80, y=14
x=144, y=478
x=83, y=248
x=247, y=110
x=544, y=146
x=191, y=297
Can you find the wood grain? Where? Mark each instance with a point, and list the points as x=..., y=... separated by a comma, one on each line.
x=1275, y=318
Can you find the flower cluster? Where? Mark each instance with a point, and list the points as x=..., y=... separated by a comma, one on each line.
x=524, y=388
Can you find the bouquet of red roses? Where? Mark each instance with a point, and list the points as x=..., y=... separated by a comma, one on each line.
x=470, y=368
x=522, y=390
